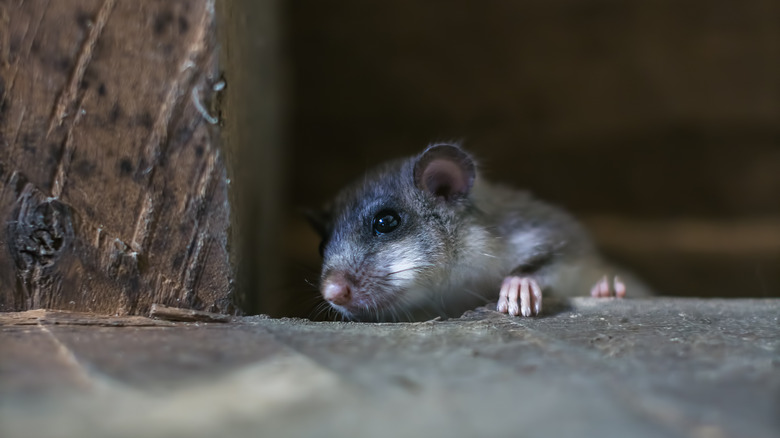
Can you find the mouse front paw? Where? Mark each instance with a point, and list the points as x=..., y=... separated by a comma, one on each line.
x=604, y=289
x=520, y=296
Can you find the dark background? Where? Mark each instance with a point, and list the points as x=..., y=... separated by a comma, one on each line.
x=657, y=123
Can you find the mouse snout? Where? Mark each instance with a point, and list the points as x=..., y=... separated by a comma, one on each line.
x=336, y=290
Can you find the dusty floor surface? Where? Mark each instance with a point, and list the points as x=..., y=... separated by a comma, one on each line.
x=612, y=368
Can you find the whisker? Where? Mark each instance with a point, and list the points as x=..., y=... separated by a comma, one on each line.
x=409, y=269
x=317, y=312
x=375, y=306
x=407, y=313
x=474, y=294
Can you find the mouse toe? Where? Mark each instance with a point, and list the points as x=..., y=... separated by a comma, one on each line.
x=520, y=296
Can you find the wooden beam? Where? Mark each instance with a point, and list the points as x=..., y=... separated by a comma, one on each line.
x=113, y=189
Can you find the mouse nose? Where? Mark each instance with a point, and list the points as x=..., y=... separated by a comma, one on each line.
x=337, y=292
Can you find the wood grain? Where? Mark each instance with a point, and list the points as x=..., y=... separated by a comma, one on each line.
x=113, y=189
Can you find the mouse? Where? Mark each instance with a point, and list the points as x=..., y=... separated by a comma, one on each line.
x=426, y=236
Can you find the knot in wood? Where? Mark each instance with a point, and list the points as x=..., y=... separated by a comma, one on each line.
x=41, y=230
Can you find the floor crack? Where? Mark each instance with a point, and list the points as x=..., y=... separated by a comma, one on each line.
x=80, y=372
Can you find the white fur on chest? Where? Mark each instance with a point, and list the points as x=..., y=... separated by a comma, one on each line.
x=524, y=245
x=482, y=260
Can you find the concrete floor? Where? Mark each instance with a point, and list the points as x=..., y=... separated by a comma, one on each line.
x=606, y=368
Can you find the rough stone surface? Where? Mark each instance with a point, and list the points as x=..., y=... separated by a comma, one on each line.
x=640, y=368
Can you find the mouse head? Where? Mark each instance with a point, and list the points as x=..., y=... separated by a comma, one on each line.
x=388, y=239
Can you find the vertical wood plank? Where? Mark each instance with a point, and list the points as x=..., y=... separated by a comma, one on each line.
x=113, y=189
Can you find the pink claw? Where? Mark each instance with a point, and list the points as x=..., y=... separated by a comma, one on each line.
x=602, y=288
x=520, y=296
x=620, y=287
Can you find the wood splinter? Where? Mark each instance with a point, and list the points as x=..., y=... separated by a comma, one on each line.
x=161, y=311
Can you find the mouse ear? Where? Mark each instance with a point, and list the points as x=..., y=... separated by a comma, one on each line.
x=319, y=220
x=445, y=171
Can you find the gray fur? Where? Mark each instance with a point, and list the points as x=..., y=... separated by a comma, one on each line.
x=455, y=253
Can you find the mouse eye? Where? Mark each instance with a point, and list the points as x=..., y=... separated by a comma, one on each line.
x=386, y=221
